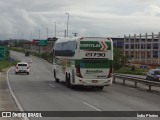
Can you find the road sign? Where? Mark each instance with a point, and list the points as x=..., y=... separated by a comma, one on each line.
x=2, y=53
x=42, y=42
x=2, y=48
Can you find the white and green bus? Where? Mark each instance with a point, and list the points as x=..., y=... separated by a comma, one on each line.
x=83, y=61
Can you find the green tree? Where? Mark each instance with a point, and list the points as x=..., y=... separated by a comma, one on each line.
x=119, y=60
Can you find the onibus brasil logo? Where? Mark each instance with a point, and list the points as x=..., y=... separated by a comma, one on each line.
x=95, y=45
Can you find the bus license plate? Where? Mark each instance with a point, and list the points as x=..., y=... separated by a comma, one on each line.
x=94, y=81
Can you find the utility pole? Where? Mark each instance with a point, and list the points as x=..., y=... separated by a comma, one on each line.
x=39, y=39
x=47, y=33
x=22, y=35
x=67, y=23
x=31, y=36
x=65, y=33
x=39, y=34
x=55, y=29
x=47, y=40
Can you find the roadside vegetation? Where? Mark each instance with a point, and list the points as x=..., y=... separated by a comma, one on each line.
x=7, y=62
x=132, y=70
x=119, y=60
x=120, y=64
x=45, y=55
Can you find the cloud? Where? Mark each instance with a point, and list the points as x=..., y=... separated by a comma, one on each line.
x=151, y=10
x=87, y=17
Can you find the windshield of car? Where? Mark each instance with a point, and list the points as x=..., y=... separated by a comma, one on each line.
x=157, y=72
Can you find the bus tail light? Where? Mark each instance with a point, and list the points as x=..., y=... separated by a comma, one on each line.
x=78, y=71
x=110, y=73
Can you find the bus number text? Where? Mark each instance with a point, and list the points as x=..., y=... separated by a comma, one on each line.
x=95, y=54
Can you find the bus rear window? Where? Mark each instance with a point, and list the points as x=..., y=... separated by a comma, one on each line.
x=22, y=64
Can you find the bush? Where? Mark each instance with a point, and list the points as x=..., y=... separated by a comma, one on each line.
x=7, y=54
x=119, y=60
x=44, y=55
x=6, y=63
x=132, y=70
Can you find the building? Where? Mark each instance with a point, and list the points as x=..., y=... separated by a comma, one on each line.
x=143, y=49
x=35, y=47
x=118, y=42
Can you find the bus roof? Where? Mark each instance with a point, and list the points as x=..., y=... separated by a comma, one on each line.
x=79, y=38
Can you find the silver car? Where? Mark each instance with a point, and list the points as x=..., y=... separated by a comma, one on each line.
x=153, y=75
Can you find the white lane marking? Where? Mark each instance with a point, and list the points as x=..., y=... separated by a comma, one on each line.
x=14, y=97
x=91, y=106
x=52, y=85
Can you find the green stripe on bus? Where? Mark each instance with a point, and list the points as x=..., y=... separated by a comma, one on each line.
x=108, y=64
x=94, y=45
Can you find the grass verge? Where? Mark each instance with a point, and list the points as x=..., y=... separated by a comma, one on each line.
x=5, y=64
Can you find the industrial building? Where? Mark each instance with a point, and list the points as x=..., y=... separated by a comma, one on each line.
x=118, y=42
x=143, y=49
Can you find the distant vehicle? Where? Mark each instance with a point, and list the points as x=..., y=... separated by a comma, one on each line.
x=22, y=67
x=26, y=53
x=28, y=60
x=153, y=75
x=85, y=61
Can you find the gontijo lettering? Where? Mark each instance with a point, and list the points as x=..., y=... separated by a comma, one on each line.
x=95, y=45
x=90, y=45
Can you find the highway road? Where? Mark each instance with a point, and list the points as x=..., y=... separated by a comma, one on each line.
x=39, y=92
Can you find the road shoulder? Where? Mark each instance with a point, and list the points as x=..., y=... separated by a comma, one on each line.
x=6, y=101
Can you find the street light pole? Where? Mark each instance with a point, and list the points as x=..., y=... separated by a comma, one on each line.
x=39, y=39
x=22, y=35
x=55, y=29
x=39, y=31
x=67, y=23
x=47, y=32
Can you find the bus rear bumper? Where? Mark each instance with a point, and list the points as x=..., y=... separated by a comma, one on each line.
x=91, y=82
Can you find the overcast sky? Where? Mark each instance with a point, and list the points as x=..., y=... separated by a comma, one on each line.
x=104, y=18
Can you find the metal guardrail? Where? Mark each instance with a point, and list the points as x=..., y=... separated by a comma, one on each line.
x=135, y=80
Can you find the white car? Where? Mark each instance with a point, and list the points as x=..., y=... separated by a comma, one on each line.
x=22, y=67
x=28, y=60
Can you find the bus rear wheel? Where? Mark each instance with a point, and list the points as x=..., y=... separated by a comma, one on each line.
x=57, y=80
x=68, y=81
x=101, y=87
